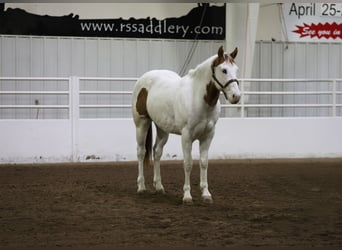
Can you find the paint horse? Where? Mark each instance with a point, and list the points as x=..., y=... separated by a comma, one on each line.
x=188, y=106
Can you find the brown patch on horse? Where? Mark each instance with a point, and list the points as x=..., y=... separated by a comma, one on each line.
x=142, y=110
x=141, y=102
x=212, y=95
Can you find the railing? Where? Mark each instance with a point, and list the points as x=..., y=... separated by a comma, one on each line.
x=107, y=92
x=333, y=92
x=19, y=93
x=109, y=97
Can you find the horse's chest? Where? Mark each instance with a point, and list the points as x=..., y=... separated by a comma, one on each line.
x=202, y=128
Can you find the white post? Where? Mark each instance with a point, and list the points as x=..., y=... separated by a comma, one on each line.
x=242, y=100
x=74, y=86
x=241, y=29
x=334, y=98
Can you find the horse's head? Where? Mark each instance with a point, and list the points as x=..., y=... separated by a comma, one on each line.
x=224, y=74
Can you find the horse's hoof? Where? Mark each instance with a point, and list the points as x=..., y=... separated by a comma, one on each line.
x=188, y=202
x=207, y=200
x=160, y=191
x=141, y=191
x=159, y=188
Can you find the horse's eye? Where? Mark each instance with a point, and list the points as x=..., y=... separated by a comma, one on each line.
x=224, y=71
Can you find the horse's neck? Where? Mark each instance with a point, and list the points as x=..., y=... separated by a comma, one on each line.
x=202, y=73
x=203, y=87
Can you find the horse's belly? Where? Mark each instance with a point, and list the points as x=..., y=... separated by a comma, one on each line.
x=161, y=111
x=167, y=126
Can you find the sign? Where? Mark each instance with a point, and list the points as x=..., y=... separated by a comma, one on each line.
x=202, y=22
x=313, y=22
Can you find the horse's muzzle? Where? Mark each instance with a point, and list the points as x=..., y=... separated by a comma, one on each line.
x=235, y=98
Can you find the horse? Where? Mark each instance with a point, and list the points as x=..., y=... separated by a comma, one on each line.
x=188, y=106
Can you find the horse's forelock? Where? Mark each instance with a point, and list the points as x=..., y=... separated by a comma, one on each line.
x=229, y=59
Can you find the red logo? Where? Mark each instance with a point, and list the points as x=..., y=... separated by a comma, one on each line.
x=327, y=30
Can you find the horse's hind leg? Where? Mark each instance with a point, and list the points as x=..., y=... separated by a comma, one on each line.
x=186, y=147
x=161, y=139
x=143, y=136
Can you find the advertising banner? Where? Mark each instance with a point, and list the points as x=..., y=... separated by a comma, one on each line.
x=312, y=22
x=204, y=22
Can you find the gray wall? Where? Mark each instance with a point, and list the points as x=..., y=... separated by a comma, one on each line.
x=86, y=57
x=299, y=61
x=55, y=56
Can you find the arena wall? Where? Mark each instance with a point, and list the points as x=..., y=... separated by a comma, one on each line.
x=42, y=141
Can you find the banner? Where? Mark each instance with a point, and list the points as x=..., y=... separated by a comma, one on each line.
x=202, y=22
x=313, y=22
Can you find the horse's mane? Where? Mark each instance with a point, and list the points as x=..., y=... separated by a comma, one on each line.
x=203, y=67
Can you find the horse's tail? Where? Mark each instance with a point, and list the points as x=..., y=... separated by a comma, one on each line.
x=148, y=147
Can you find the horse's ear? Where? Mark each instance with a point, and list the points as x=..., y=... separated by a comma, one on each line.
x=220, y=52
x=234, y=53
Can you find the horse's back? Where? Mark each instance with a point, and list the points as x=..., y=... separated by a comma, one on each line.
x=157, y=78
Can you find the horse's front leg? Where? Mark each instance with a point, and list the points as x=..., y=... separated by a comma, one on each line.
x=204, y=148
x=187, y=146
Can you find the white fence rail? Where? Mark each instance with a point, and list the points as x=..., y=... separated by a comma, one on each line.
x=109, y=97
x=332, y=94
x=60, y=120
x=29, y=97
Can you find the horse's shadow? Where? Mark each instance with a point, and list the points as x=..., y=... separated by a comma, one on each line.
x=168, y=198
x=160, y=198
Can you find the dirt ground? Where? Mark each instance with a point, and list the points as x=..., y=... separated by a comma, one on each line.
x=256, y=203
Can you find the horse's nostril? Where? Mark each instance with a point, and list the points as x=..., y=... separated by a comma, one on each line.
x=235, y=98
